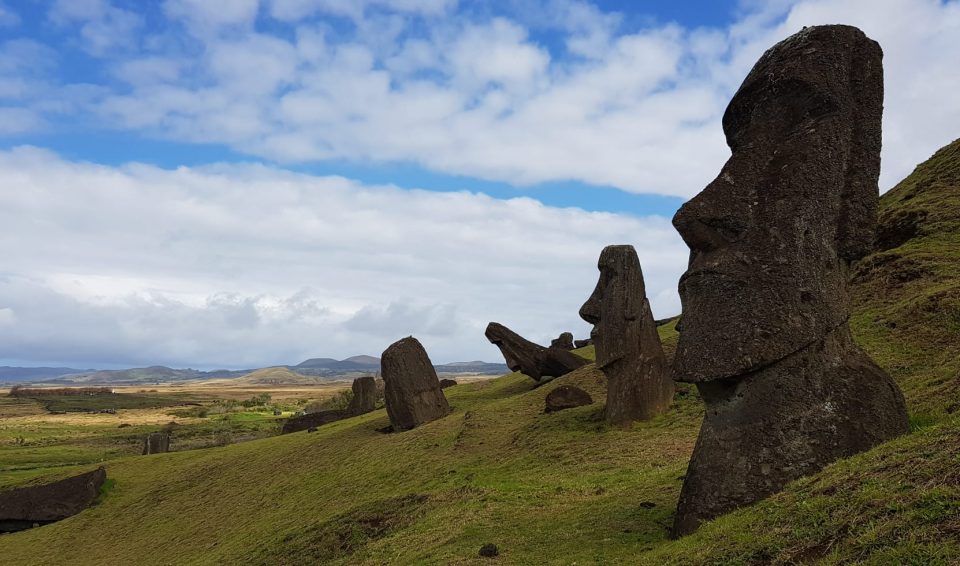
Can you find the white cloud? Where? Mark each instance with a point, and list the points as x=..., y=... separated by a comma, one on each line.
x=246, y=265
x=103, y=28
x=204, y=17
x=635, y=108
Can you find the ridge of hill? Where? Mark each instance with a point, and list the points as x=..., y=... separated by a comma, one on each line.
x=565, y=487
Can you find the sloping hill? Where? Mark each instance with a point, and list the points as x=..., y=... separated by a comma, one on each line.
x=565, y=488
x=275, y=376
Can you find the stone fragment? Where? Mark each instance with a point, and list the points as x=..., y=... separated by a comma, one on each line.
x=156, y=443
x=444, y=383
x=531, y=359
x=564, y=341
x=566, y=397
x=764, y=332
x=626, y=340
x=489, y=550
x=582, y=343
x=26, y=507
x=411, y=388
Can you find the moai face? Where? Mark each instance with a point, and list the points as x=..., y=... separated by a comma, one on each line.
x=616, y=306
x=772, y=236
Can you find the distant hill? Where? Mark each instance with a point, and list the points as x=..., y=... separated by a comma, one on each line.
x=312, y=370
x=10, y=374
x=276, y=376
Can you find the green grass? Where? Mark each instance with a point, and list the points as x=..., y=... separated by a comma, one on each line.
x=564, y=488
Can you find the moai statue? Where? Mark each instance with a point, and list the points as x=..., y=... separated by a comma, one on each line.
x=626, y=340
x=411, y=388
x=531, y=359
x=765, y=334
x=564, y=341
x=364, y=396
x=156, y=443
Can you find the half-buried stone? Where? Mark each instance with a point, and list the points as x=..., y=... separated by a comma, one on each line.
x=412, y=390
x=26, y=507
x=566, y=397
x=364, y=400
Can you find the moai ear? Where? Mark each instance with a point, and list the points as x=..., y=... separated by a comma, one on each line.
x=857, y=220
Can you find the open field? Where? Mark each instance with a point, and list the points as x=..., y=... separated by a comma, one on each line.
x=89, y=429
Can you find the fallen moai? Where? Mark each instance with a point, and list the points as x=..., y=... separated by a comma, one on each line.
x=26, y=507
x=531, y=359
x=764, y=333
x=566, y=397
x=412, y=390
x=363, y=401
x=156, y=443
x=628, y=347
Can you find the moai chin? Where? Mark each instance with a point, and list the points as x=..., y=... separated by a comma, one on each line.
x=625, y=336
x=764, y=333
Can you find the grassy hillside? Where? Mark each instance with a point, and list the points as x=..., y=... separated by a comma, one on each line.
x=565, y=487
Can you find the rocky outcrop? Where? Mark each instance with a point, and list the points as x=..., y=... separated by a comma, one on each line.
x=26, y=507
x=626, y=340
x=566, y=397
x=411, y=388
x=764, y=333
x=531, y=359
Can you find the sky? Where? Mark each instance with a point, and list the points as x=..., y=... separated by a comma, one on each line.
x=245, y=183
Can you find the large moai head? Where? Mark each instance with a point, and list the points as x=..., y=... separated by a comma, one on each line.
x=617, y=306
x=772, y=236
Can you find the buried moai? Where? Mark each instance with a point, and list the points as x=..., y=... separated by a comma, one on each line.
x=156, y=443
x=412, y=390
x=626, y=340
x=25, y=507
x=765, y=334
x=529, y=358
x=363, y=401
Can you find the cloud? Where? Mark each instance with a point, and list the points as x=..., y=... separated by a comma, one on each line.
x=103, y=27
x=248, y=265
x=546, y=91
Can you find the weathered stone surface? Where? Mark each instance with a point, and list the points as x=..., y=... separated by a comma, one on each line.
x=364, y=396
x=564, y=341
x=156, y=443
x=626, y=340
x=411, y=387
x=444, y=383
x=531, y=359
x=363, y=401
x=566, y=397
x=582, y=343
x=764, y=332
x=21, y=508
